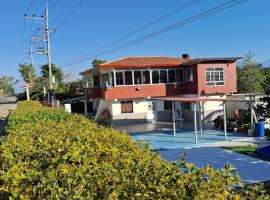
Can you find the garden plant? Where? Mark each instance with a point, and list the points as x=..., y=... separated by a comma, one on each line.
x=51, y=154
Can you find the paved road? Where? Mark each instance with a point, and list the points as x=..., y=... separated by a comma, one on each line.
x=7, y=103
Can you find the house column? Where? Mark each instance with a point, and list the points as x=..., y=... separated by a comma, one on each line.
x=200, y=117
x=132, y=72
x=156, y=114
x=195, y=121
x=203, y=114
x=85, y=108
x=114, y=77
x=251, y=117
x=225, y=120
x=173, y=118
x=150, y=71
x=180, y=114
x=100, y=81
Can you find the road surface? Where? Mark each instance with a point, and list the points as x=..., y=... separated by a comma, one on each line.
x=7, y=103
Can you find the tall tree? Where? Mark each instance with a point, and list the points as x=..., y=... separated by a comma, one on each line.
x=266, y=85
x=97, y=62
x=56, y=72
x=28, y=73
x=6, y=85
x=249, y=76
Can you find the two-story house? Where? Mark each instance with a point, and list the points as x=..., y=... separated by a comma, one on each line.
x=126, y=89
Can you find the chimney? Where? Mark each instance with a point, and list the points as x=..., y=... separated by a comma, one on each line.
x=185, y=55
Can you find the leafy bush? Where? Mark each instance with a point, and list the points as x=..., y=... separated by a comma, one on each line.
x=70, y=157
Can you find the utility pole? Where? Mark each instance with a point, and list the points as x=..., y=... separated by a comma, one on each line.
x=45, y=39
x=47, y=31
x=31, y=53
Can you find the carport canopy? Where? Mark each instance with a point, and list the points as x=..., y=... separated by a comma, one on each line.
x=199, y=99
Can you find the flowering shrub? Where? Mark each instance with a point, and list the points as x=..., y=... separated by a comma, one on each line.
x=50, y=154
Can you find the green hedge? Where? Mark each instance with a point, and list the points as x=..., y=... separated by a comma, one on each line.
x=50, y=154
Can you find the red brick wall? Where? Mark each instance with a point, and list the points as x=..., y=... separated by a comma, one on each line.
x=230, y=78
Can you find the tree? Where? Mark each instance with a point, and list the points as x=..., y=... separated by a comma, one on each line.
x=28, y=73
x=56, y=72
x=6, y=85
x=249, y=76
x=97, y=62
x=266, y=85
x=75, y=87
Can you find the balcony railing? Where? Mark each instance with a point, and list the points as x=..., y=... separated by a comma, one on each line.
x=141, y=91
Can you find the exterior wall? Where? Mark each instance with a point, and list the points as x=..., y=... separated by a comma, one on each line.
x=140, y=109
x=230, y=79
x=101, y=107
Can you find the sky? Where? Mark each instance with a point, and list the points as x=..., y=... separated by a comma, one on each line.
x=82, y=26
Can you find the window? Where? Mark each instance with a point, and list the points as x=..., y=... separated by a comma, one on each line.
x=167, y=105
x=119, y=78
x=105, y=79
x=127, y=107
x=146, y=77
x=163, y=76
x=137, y=77
x=112, y=79
x=155, y=76
x=128, y=78
x=171, y=75
x=214, y=76
x=179, y=76
x=186, y=105
x=96, y=80
x=190, y=74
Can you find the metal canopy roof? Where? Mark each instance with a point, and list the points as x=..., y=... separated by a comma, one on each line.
x=200, y=99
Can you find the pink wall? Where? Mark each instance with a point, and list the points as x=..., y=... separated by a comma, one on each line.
x=230, y=78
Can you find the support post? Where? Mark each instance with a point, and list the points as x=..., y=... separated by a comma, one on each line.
x=85, y=107
x=58, y=104
x=225, y=120
x=200, y=117
x=195, y=121
x=156, y=114
x=114, y=78
x=47, y=31
x=180, y=114
x=251, y=118
x=173, y=118
x=203, y=114
x=27, y=92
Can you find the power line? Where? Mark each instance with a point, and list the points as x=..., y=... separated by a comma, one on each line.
x=39, y=7
x=69, y=14
x=57, y=17
x=140, y=29
x=29, y=6
x=53, y=5
x=23, y=38
x=196, y=17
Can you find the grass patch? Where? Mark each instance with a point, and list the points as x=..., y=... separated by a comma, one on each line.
x=248, y=150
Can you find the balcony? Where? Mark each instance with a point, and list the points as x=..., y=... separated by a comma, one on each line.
x=141, y=91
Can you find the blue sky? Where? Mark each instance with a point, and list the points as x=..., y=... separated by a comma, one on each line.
x=93, y=23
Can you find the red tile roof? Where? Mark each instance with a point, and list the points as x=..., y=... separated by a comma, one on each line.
x=148, y=61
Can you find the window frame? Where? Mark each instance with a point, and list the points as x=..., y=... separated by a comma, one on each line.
x=126, y=102
x=212, y=75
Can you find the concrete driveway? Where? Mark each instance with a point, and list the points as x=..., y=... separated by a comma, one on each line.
x=250, y=169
